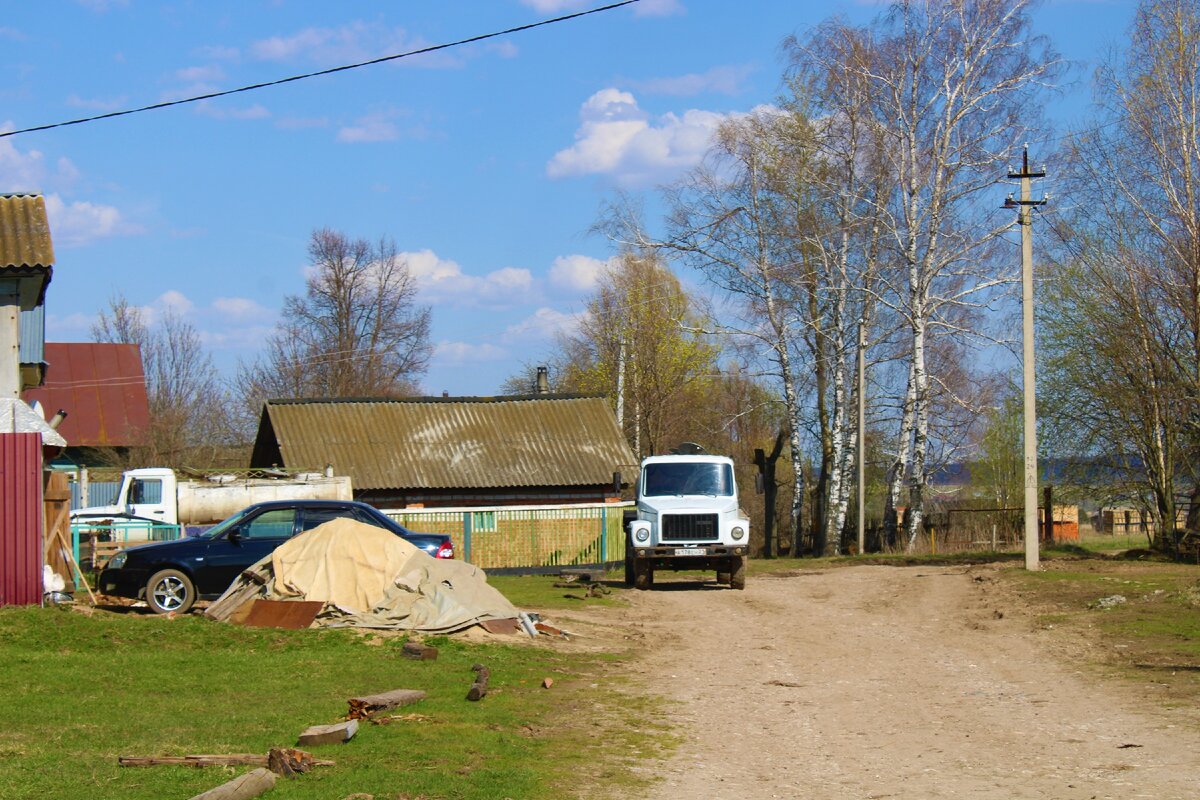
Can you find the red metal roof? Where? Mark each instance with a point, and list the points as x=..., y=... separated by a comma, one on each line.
x=102, y=389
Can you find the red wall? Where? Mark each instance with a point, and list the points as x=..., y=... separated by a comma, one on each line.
x=20, y=518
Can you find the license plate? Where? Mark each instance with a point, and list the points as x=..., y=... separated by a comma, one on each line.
x=689, y=551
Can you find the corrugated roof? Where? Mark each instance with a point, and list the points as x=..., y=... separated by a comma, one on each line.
x=25, y=248
x=448, y=443
x=102, y=389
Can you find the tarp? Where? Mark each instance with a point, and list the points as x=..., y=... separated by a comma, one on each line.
x=368, y=578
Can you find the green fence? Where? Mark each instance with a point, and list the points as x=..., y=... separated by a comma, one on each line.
x=525, y=537
x=93, y=545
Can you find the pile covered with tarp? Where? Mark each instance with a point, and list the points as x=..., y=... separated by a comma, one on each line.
x=367, y=577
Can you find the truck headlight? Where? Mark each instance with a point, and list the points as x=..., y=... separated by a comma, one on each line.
x=118, y=561
x=641, y=534
x=738, y=533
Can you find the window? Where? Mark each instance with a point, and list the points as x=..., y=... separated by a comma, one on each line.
x=275, y=524
x=319, y=516
x=687, y=478
x=146, y=491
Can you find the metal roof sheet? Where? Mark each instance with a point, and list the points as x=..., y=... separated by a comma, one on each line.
x=25, y=248
x=102, y=389
x=449, y=443
x=31, y=341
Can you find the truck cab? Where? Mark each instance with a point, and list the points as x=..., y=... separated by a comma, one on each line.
x=146, y=494
x=687, y=518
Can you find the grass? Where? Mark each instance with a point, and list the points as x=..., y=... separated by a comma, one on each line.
x=78, y=690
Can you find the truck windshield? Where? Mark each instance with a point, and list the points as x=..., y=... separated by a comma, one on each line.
x=664, y=480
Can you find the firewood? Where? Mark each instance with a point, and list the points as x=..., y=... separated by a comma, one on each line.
x=419, y=651
x=220, y=760
x=289, y=762
x=243, y=787
x=364, y=707
x=479, y=688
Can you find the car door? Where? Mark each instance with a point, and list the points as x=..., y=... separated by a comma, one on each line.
x=251, y=540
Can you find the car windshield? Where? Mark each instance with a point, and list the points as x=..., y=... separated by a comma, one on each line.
x=667, y=479
x=221, y=527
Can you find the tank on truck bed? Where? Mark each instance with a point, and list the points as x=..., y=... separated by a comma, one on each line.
x=687, y=518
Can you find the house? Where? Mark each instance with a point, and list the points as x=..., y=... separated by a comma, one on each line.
x=453, y=451
x=102, y=389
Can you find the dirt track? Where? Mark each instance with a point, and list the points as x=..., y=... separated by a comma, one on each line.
x=882, y=682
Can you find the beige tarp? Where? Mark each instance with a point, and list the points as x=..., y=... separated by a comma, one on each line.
x=368, y=577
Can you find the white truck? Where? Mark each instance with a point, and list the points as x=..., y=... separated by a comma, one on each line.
x=687, y=518
x=157, y=495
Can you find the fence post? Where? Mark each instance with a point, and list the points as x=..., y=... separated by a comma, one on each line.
x=604, y=536
x=467, y=536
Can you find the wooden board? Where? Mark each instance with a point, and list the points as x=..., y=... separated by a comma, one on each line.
x=291, y=615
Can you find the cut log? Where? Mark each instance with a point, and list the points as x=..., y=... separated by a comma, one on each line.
x=479, y=688
x=220, y=760
x=329, y=734
x=420, y=652
x=363, y=707
x=243, y=787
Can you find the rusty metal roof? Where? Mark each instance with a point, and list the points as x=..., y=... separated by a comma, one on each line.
x=102, y=389
x=448, y=443
x=25, y=248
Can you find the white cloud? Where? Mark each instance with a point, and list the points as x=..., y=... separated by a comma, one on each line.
x=240, y=309
x=357, y=41
x=80, y=222
x=456, y=353
x=202, y=74
x=722, y=80
x=173, y=300
x=615, y=137
x=541, y=326
x=300, y=123
x=646, y=8
x=96, y=103
x=576, y=273
x=443, y=281
x=371, y=128
x=69, y=328
x=218, y=52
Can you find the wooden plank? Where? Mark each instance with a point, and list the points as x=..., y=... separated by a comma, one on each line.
x=363, y=707
x=291, y=615
x=329, y=734
x=243, y=787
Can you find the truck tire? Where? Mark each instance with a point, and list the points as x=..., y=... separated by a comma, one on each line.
x=737, y=572
x=170, y=590
x=723, y=576
x=643, y=575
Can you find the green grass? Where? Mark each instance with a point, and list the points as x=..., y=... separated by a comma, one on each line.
x=76, y=691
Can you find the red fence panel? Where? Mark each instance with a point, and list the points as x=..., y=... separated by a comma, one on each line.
x=20, y=518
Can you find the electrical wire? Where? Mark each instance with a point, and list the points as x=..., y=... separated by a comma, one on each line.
x=330, y=71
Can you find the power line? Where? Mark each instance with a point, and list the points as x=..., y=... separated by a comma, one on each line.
x=330, y=71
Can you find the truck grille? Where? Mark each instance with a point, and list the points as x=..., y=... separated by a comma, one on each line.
x=689, y=527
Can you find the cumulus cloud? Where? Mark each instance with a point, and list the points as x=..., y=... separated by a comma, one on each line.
x=96, y=103
x=240, y=309
x=80, y=222
x=721, y=80
x=371, y=128
x=356, y=41
x=457, y=353
x=68, y=328
x=576, y=273
x=201, y=74
x=541, y=326
x=617, y=138
x=443, y=281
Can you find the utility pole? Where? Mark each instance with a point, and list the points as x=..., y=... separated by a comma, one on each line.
x=861, y=455
x=1024, y=208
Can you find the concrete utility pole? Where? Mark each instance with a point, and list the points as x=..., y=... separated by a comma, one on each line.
x=1024, y=208
x=861, y=455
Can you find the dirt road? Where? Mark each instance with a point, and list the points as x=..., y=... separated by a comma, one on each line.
x=883, y=682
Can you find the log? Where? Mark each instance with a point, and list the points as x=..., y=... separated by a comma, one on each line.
x=420, y=652
x=479, y=688
x=289, y=762
x=243, y=787
x=364, y=707
x=223, y=760
x=329, y=734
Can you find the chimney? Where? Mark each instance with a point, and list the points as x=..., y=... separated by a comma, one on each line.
x=543, y=381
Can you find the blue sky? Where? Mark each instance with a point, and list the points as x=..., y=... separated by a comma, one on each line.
x=486, y=164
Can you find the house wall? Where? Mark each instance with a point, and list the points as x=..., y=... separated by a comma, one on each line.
x=512, y=496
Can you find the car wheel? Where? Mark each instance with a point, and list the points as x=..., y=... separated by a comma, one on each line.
x=628, y=561
x=643, y=575
x=170, y=590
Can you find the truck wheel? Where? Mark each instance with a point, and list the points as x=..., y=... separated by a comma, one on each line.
x=643, y=575
x=722, y=577
x=170, y=590
x=737, y=572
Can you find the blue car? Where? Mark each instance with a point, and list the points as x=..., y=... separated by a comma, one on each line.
x=171, y=576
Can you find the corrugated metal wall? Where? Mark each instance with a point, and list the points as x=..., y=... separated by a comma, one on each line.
x=20, y=518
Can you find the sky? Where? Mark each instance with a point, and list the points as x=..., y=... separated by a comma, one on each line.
x=487, y=164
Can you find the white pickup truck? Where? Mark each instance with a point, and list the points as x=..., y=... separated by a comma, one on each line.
x=687, y=518
x=157, y=495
